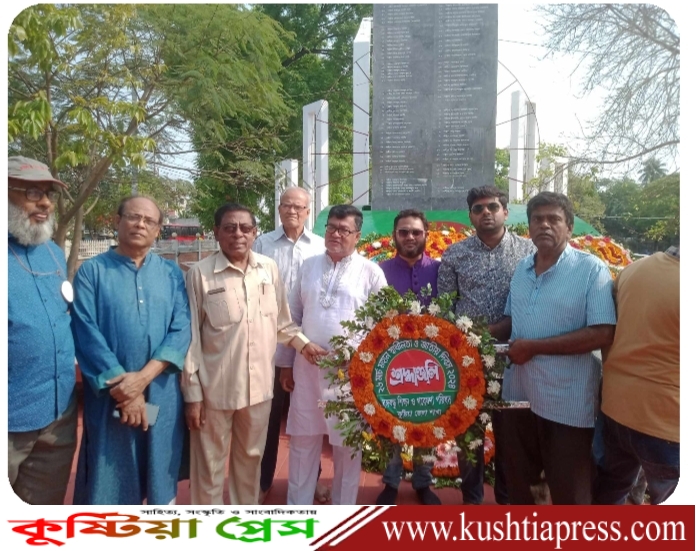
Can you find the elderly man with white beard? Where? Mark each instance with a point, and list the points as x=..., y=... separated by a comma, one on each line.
x=42, y=407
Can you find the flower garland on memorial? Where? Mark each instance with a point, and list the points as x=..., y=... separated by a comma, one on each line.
x=386, y=318
x=614, y=255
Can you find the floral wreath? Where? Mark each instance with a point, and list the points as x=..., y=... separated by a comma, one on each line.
x=386, y=318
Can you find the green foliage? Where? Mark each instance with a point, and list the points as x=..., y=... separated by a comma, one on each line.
x=652, y=169
x=502, y=169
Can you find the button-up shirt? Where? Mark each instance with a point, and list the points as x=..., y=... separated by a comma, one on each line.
x=289, y=255
x=237, y=319
x=480, y=275
x=40, y=349
x=405, y=278
x=574, y=293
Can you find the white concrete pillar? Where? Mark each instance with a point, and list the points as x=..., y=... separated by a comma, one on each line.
x=286, y=175
x=560, y=182
x=315, y=156
x=517, y=139
x=530, y=143
x=361, y=113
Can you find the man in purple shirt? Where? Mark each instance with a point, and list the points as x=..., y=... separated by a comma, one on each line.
x=411, y=269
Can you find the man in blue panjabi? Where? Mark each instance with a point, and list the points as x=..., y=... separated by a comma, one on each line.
x=132, y=329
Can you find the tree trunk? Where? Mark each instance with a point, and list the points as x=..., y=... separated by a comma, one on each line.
x=77, y=239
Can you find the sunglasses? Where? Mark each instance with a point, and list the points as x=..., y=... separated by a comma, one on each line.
x=231, y=229
x=402, y=232
x=343, y=232
x=492, y=207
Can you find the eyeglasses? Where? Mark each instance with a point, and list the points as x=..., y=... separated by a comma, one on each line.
x=405, y=232
x=35, y=194
x=296, y=208
x=137, y=218
x=492, y=207
x=343, y=232
x=231, y=229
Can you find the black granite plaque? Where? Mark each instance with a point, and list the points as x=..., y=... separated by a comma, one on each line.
x=434, y=102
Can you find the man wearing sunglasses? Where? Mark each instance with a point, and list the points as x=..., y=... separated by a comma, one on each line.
x=410, y=270
x=479, y=270
x=42, y=406
x=239, y=314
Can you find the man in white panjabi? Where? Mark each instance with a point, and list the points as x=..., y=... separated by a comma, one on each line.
x=328, y=290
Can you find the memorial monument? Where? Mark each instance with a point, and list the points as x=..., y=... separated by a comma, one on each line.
x=434, y=103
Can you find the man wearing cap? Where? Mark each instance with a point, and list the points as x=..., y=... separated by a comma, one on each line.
x=42, y=406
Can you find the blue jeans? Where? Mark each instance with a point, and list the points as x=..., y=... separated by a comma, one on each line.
x=421, y=472
x=625, y=452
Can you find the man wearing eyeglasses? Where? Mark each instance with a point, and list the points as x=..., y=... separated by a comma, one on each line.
x=289, y=246
x=42, y=406
x=410, y=270
x=328, y=290
x=239, y=313
x=479, y=270
x=132, y=329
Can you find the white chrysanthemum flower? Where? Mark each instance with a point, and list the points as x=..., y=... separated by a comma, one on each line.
x=376, y=245
x=392, y=314
x=434, y=481
x=473, y=339
x=489, y=427
x=363, y=253
x=366, y=357
x=369, y=323
x=445, y=232
x=493, y=388
x=458, y=480
x=467, y=361
x=469, y=402
x=415, y=307
x=399, y=433
x=484, y=417
x=439, y=432
x=344, y=417
x=464, y=324
x=394, y=331
x=346, y=354
x=455, y=449
x=475, y=444
x=321, y=404
x=370, y=409
x=434, y=309
x=428, y=458
x=488, y=361
x=431, y=331
x=408, y=475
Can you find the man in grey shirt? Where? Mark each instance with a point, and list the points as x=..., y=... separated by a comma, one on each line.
x=479, y=270
x=289, y=246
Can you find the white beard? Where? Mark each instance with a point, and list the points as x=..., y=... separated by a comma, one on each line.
x=21, y=227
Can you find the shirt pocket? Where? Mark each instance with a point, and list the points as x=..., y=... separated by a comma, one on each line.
x=268, y=304
x=223, y=311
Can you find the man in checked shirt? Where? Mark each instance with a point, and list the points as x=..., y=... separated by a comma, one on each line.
x=479, y=269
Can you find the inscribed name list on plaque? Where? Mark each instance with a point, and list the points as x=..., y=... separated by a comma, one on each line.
x=434, y=103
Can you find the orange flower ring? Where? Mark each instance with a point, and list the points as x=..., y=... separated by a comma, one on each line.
x=417, y=389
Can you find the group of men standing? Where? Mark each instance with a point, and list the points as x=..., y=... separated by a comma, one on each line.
x=216, y=352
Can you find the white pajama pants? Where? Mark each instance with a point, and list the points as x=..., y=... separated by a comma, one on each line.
x=303, y=469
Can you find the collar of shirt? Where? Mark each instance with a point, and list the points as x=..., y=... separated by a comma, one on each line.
x=222, y=262
x=423, y=261
x=531, y=261
x=280, y=233
x=481, y=245
x=127, y=260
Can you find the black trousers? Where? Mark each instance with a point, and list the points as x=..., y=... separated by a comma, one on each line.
x=534, y=444
x=270, y=454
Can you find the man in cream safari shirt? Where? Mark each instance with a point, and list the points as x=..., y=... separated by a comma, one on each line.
x=239, y=312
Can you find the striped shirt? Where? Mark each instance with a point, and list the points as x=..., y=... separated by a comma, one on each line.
x=573, y=294
x=289, y=255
